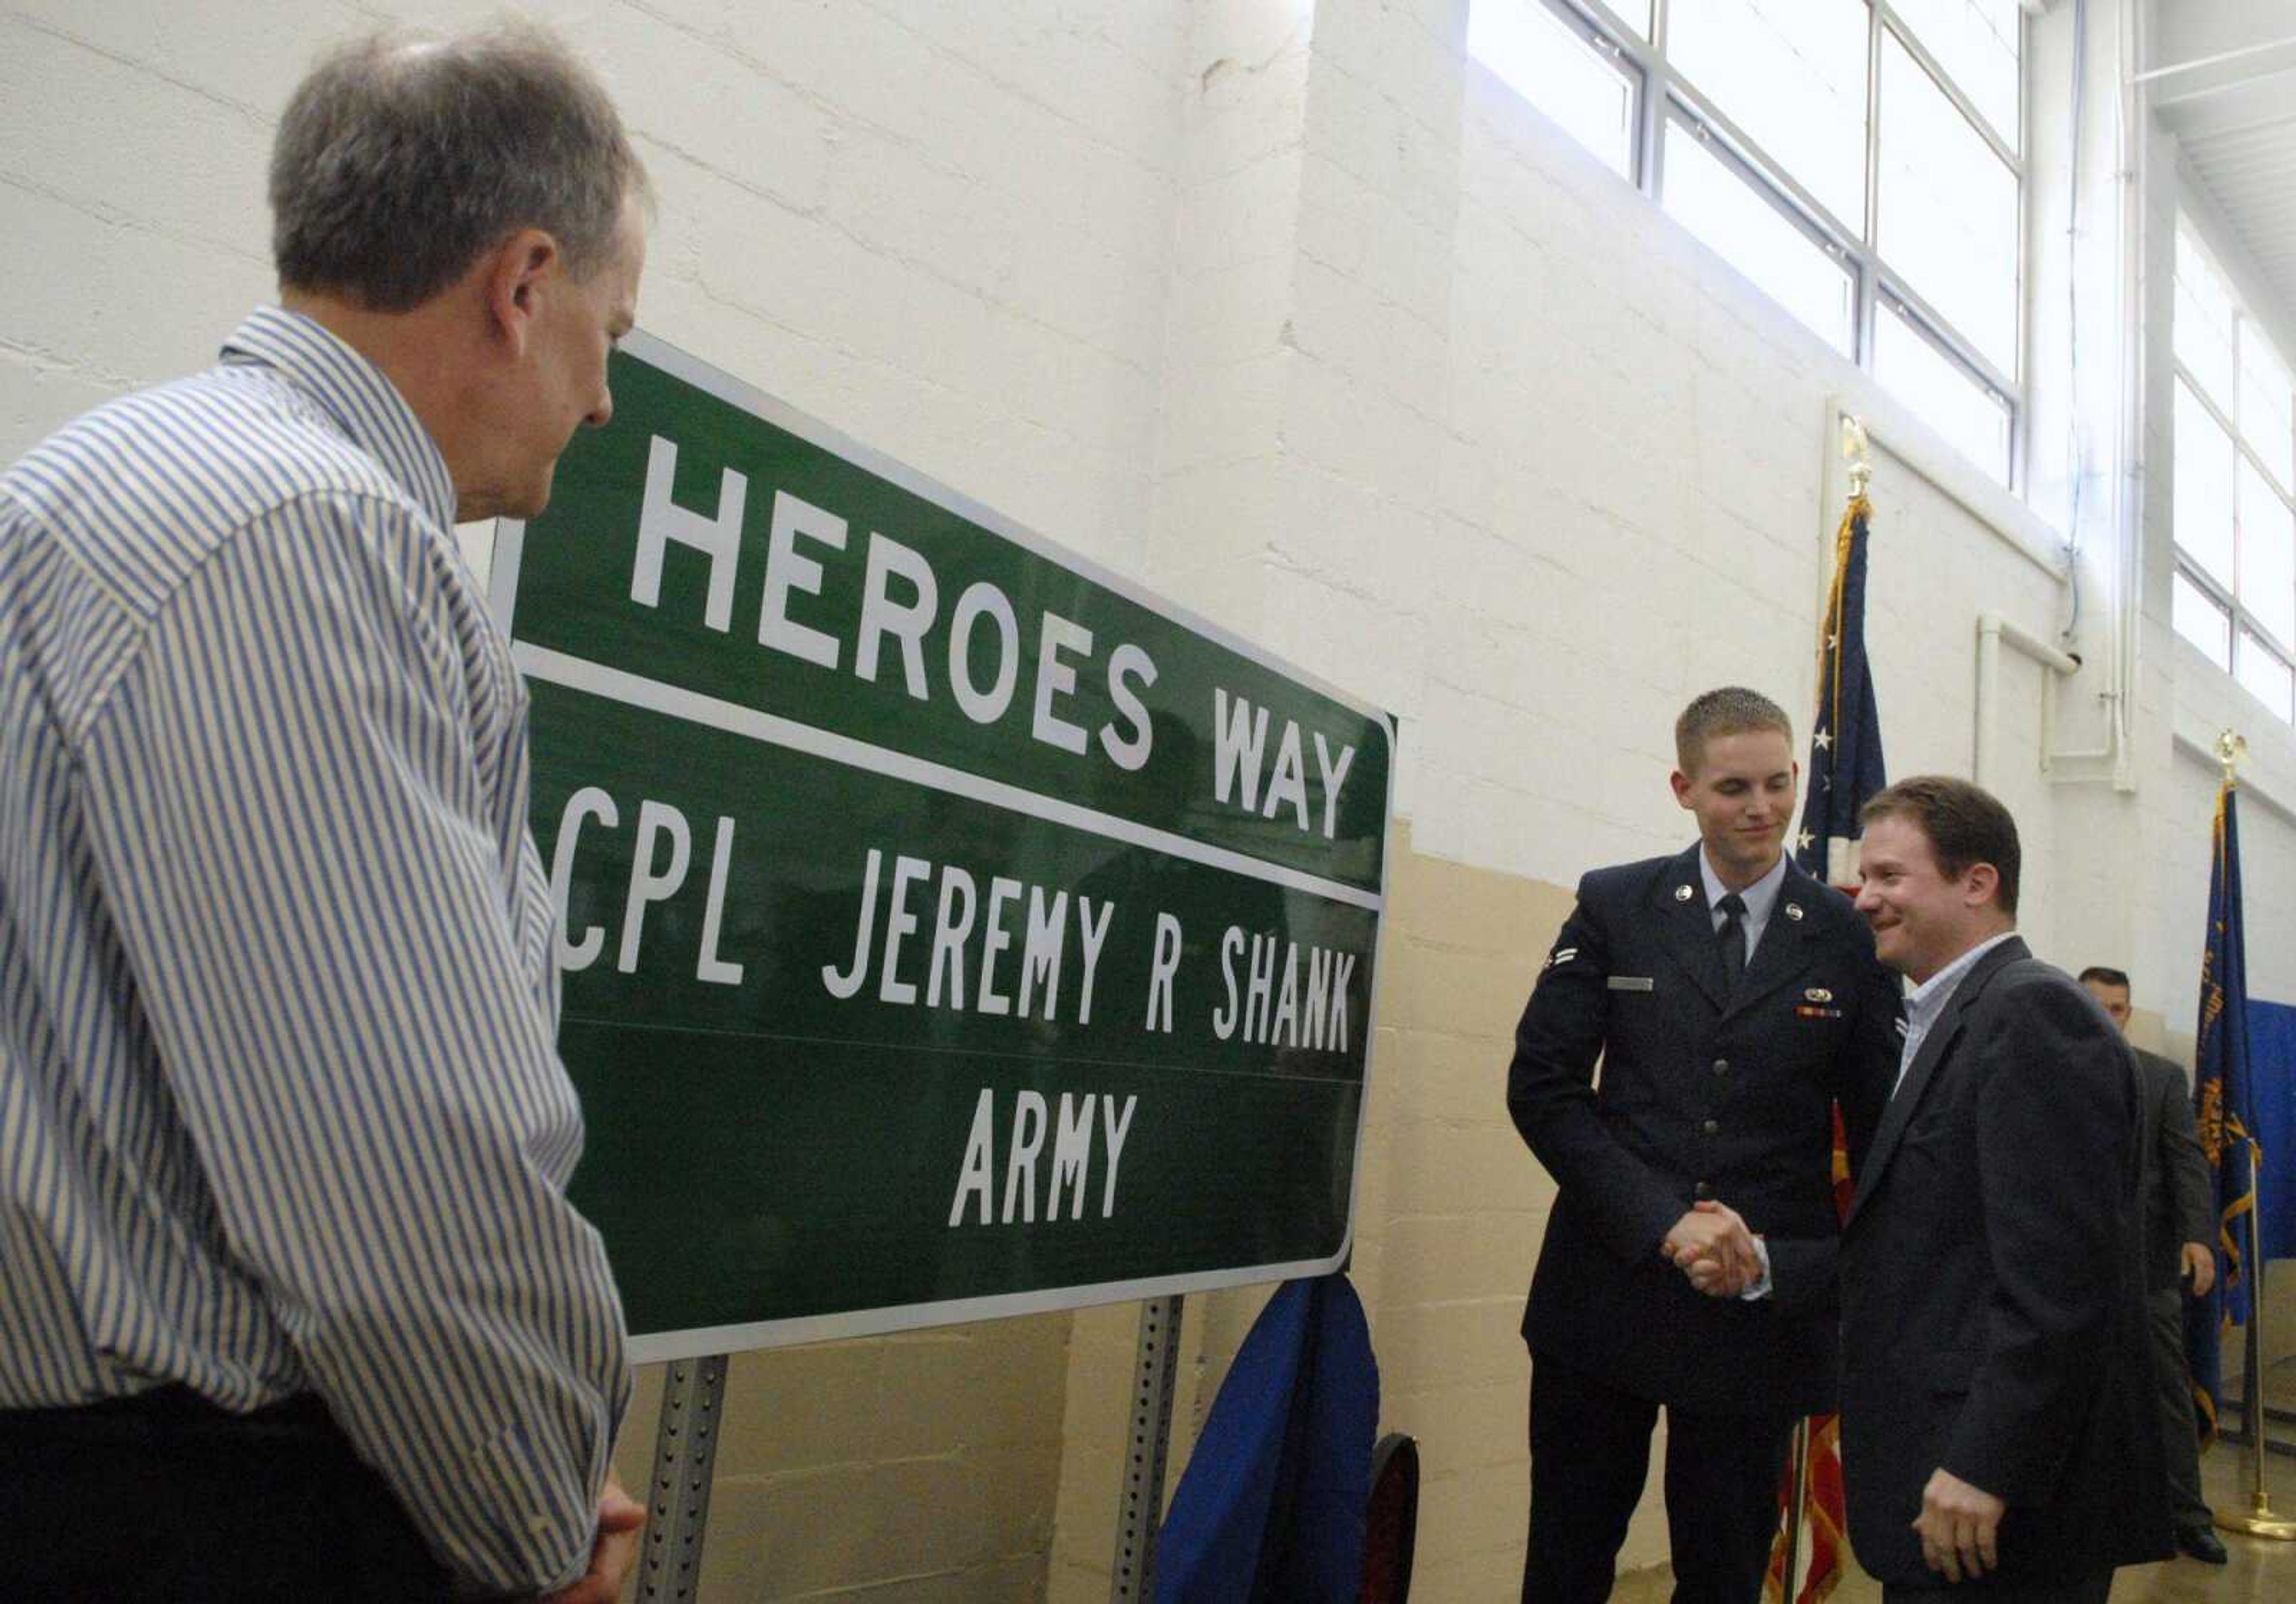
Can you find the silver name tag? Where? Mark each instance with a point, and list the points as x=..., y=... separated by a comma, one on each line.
x=1631, y=983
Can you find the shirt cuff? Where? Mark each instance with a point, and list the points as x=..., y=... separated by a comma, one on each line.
x=1761, y=1284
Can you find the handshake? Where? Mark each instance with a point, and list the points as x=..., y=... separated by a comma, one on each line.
x=1712, y=1247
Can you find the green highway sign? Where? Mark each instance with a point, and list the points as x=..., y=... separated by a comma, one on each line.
x=948, y=929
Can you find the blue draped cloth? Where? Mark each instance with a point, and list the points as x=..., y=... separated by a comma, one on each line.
x=1272, y=1505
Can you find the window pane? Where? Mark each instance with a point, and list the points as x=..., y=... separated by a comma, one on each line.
x=2267, y=555
x=1554, y=68
x=1635, y=14
x=1977, y=42
x=2204, y=316
x=1792, y=74
x=2201, y=621
x=2203, y=472
x=2264, y=404
x=1940, y=393
x=1714, y=202
x=1948, y=211
x=2266, y=675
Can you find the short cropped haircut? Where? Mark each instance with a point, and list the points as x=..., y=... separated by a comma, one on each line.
x=1731, y=710
x=2103, y=975
x=1965, y=823
x=399, y=163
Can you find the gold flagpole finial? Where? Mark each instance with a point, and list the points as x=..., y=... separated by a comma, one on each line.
x=2231, y=750
x=1853, y=452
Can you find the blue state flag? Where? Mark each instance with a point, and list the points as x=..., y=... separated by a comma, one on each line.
x=1845, y=740
x=2223, y=1109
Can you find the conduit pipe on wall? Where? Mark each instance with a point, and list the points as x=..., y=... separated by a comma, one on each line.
x=1993, y=631
x=2131, y=166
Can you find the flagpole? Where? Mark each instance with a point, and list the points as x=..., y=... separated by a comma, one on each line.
x=2260, y=1521
x=1800, y=1461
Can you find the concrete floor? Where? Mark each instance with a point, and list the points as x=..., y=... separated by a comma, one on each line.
x=2260, y=1572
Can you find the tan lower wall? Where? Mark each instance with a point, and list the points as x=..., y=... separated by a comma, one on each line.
x=983, y=1462
x=915, y=1468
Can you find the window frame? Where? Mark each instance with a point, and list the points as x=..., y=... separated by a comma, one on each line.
x=1662, y=93
x=2242, y=618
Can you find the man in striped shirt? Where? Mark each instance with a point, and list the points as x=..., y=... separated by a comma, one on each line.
x=292, y=1304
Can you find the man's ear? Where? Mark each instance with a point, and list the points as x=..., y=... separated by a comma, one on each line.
x=517, y=274
x=1681, y=783
x=1982, y=882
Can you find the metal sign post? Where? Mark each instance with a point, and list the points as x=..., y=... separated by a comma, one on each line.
x=1140, y=1508
x=677, y=1500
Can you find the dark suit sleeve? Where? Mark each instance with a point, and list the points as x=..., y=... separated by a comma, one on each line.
x=2055, y=1125
x=1550, y=1094
x=1869, y=1065
x=2186, y=1166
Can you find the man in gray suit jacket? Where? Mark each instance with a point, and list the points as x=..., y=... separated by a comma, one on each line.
x=1998, y=1434
x=2176, y=1231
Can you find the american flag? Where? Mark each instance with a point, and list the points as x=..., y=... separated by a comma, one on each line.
x=1845, y=769
x=1845, y=738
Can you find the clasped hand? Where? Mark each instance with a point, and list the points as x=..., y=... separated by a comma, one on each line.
x=1712, y=1247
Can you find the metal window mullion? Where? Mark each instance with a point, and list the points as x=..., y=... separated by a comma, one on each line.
x=1926, y=321
x=1748, y=156
x=2241, y=451
x=2198, y=578
x=2228, y=594
x=2020, y=422
x=1869, y=298
x=1636, y=60
x=1779, y=201
x=2224, y=419
x=2202, y=580
x=1911, y=41
x=1869, y=259
x=1652, y=112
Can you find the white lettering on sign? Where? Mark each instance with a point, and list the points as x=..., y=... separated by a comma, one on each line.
x=889, y=593
x=1315, y=1019
x=978, y=1199
x=661, y=522
x=1162, y=967
x=1240, y=762
x=1035, y=919
x=651, y=882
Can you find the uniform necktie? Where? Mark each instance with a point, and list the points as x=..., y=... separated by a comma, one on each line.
x=1733, y=938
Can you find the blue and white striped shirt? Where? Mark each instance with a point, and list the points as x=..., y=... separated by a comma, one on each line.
x=281, y=1106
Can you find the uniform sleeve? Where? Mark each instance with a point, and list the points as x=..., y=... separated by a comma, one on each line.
x=290, y=805
x=2055, y=1125
x=1551, y=1095
x=1865, y=1073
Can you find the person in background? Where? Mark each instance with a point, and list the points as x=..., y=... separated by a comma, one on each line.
x=1731, y=999
x=2178, y=1261
x=292, y=1304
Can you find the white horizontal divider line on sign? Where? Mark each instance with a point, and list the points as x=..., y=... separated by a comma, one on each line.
x=578, y=674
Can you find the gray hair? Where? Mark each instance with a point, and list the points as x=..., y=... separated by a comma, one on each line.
x=399, y=163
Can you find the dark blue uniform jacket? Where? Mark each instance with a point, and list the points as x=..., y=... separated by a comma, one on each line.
x=1697, y=1099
